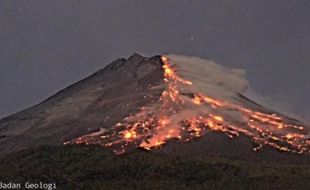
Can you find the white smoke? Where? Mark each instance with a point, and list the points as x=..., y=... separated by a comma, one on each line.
x=209, y=77
x=224, y=83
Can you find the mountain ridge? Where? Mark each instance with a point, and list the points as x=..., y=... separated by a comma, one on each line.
x=78, y=100
x=105, y=98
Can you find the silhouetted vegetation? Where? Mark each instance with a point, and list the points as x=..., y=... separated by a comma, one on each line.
x=91, y=167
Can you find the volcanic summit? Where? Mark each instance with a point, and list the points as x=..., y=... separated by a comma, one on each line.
x=171, y=103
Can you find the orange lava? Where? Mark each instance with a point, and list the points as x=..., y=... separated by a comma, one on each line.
x=153, y=127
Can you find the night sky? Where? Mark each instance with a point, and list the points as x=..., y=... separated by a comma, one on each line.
x=48, y=45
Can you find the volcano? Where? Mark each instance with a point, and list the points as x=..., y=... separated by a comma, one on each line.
x=169, y=103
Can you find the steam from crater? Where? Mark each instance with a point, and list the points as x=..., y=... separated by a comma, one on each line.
x=209, y=77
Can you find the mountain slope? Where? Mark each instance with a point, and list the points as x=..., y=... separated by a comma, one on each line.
x=98, y=101
x=148, y=102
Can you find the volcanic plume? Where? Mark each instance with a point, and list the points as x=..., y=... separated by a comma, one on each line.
x=200, y=97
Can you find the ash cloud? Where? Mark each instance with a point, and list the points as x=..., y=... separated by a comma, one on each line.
x=223, y=82
x=209, y=77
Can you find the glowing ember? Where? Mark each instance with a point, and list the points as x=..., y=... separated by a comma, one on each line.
x=183, y=116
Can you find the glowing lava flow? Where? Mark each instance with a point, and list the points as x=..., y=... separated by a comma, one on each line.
x=182, y=115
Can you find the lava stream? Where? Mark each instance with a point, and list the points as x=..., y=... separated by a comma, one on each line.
x=184, y=115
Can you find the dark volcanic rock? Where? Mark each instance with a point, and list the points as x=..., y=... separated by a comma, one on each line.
x=106, y=98
x=98, y=101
